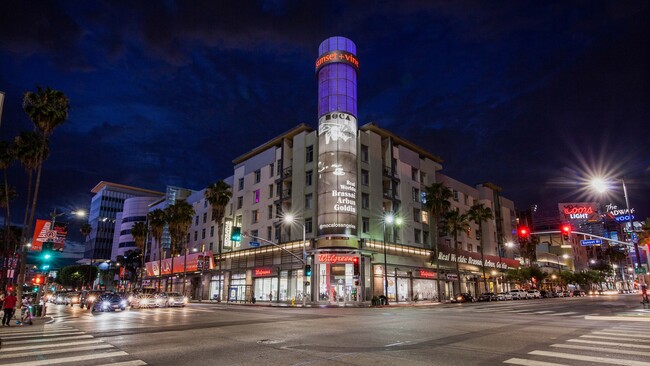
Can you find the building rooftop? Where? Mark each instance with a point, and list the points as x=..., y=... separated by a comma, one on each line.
x=103, y=184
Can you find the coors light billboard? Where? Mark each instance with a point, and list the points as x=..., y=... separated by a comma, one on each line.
x=337, y=175
x=579, y=211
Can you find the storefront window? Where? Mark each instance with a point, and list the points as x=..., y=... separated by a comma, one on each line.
x=237, y=290
x=266, y=289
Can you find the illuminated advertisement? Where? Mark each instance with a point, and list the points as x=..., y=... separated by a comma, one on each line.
x=43, y=232
x=620, y=215
x=227, y=232
x=579, y=211
x=195, y=262
x=337, y=175
x=337, y=56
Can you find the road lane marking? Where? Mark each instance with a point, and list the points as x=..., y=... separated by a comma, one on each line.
x=599, y=349
x=47, y=340
x=515, y=311
x=54, y=351
x=33, y=330
x=562, y=314
x=543, y=312
x=616, y=338
x=524, y=362
x=38, y=332
x=45, y=335
x=617, y=344
x=126, y=363
x=570, y=356
x=52, y=345
x=622, y=334
x=54, y=361
x=397, y=344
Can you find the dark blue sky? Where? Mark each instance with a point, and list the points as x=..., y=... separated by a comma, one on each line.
x=533, y=96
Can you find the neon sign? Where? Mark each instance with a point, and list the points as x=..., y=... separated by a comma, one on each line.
x=337, y=56
x=337, y=258
x=579, y=211
x=258, y=272
x=427, y=274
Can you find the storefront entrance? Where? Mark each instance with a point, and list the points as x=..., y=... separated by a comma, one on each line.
x=338, y=278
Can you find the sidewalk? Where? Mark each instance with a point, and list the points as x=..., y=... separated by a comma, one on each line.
x=317, y=305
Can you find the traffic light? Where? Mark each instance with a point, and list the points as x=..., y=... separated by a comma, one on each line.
x=356, y=266
x=46, y=255
x=523, y=232
x=236, y=234
x=37, y=280
x=566, y=231
x=307, y=270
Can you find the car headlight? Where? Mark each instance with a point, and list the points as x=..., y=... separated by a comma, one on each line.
x=158, y=301
x=91, y=298
x=123, y=303
x=106, y=304
x=185, y=299
x=130, y=298
x=144, y=301
x=459, y=298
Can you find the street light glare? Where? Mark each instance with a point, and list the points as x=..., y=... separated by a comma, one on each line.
x=599, y=184
x=389, y=218
x=79, y=213
x=288, y=218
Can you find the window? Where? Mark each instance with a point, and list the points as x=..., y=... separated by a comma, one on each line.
x=365, y=201
x=425, y=237
x=269, y=232
x=202, y=233
x=364, y=153
x=278, y=189
x=279, y=167
x=309, y=201
x=255, y=216
x=423, y=178
x=240, y=202
x=196, y=220
x=365, y=225
x=415, y=193
x=278, y=210
x=271, y=168
x=256, y=196
x=212, y=231
x=466, y=200
x=270, y=212
x=205, y=217
x=270, y=190
x=277, y=233
x=308, y=225
x=308, y=177
x=205, y=203
x=470, y=248
x=425, y=217
x=455, y=195
x=254, y=233
x=258, y=175
x=241, y=184
x=211, y=245
x=416, y=215
x=238, y=221
x=414, y=174
x=309, y=154
x=196, y=235
x=417, y=233
x=365, y=179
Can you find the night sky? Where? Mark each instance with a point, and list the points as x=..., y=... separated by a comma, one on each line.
x=532, y=96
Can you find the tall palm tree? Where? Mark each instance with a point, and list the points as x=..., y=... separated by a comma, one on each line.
x=85, y=229
x=7, y=157
x=456, y=223
x=218, y=195
x=7, y=249
x=480, y=214
x=139, y=231
x=157, y=221
x=179, y=219
x=437, y=205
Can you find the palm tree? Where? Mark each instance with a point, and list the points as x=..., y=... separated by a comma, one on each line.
x=456, y=223
x=218, y=195
x=139, y=231
x=479, y=214
x=437, y=205
x=179, y=219
x=7, y=157
x=157, y=221
x=85, y=229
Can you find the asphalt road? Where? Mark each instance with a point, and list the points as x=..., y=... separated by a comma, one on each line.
x=547, y=332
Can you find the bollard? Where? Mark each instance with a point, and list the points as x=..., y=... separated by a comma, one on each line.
x=293, y=301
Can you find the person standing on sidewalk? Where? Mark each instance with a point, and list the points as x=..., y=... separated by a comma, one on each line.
x=9, y=305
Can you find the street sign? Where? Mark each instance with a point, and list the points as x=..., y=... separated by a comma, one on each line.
x=639, y=270
x=589, y=242
x=254, y=244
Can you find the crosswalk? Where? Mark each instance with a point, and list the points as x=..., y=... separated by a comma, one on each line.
x=627, y=345
x=56, y=345
x=520, y=308
x=124, y=316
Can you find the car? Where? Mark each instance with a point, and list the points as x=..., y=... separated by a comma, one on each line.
x=577, y=293
x=534, y=294
x=59, y=297
x=546, y=294
x=171, y=299
x=88, y=298
x=140, y=301
x=109, y=302
x=72, y=298
x=487, y=296
x=503, y=296
x=464, y=297
x=566, y=293
x=519, y=294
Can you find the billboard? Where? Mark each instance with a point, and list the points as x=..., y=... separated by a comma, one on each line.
x=337, y=175
x=579, y=211
x=43, y=232
x=195, y=262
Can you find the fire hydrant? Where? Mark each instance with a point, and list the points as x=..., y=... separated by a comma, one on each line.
x=293, y=301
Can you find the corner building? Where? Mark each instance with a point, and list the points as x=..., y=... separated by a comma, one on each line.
x=339, y=182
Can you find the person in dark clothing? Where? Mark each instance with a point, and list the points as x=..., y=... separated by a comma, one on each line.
x=8, y=305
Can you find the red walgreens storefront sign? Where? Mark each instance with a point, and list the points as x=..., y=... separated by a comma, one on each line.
x=337, y=258
x=427, y=274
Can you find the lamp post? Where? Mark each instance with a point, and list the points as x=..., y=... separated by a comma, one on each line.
x=389, y=219
x=290, y=219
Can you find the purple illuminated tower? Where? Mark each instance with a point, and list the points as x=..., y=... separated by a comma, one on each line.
x=337, y=67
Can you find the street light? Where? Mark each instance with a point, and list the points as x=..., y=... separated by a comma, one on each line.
x=389, y=219
x=289, y=218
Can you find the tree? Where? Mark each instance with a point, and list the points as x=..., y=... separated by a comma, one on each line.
x=566, y=277
x=179, y=219
x=479, y=214
x=218, y=195
x=7, y=157
x=74, y=275
x=437, y=204
x=85, y=229
x=139, y=231
x=157, y=221
x=456, y=223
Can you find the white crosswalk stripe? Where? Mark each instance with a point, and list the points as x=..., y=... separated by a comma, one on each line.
x=55, y=345
x=606, y=346
x=519, y=308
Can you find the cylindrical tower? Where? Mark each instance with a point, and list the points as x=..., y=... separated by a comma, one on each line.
x=337, y=67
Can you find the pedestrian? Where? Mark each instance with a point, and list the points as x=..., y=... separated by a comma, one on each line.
x=253, y=297
x=9, y=305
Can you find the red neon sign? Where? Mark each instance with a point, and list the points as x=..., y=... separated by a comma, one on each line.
x=578, y=210
x=263, y=271
x=427, y=274
x=337, y=258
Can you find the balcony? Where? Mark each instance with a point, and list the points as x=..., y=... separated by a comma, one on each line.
x=389, y=172
x=287, y=172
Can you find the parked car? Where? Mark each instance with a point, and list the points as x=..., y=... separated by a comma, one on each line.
x=171, y=299
x=141, y=301
x=109, y=302
x=566, y=293
x=519, y=294
x=464, y=297
x=503, y=296
x=88, y=298
x=534, y=294
x=487, y=296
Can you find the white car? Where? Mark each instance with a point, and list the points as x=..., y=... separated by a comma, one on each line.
x=502, y=296
x=519, y=294
x=534, y=294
